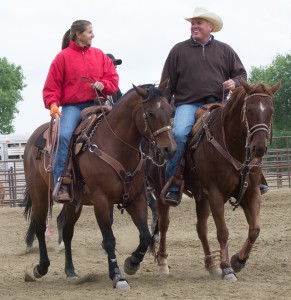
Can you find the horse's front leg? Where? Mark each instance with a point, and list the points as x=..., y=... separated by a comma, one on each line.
x=217, y=208
x=251, y=207
x=203, y=213
x=164, y=221
x=104, y=215
x=71, y=217
x=138, y=212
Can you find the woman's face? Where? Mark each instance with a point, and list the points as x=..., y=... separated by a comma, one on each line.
x=85, y=38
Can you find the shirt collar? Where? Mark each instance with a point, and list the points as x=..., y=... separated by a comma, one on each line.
x=207, y=43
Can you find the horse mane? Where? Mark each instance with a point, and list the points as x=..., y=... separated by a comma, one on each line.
x=154, y=92
x=240, y=93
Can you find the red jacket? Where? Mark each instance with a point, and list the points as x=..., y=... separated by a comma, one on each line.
x=64, y=84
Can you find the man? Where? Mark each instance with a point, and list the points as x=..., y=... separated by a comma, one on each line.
x=116, y=62
x=200, y=69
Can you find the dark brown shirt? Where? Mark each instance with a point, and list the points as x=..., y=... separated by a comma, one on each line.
x=197, y=72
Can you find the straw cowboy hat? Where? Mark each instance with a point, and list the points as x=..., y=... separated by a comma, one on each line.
x=203, y=13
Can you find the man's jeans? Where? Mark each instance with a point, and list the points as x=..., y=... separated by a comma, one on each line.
x=68, y=122
x=183, y=123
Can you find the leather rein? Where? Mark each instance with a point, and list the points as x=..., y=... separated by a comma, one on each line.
x=245, y=167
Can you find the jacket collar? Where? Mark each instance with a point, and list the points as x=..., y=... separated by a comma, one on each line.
x=76, y=47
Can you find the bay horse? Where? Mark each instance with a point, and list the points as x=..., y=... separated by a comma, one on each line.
x=143, y=112
x=226, y=163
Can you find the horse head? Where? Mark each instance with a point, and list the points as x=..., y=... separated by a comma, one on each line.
x=257, y=113
x=155, y=123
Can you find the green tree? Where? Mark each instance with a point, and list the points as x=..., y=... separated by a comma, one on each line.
x=11, y=85
x=278, y=70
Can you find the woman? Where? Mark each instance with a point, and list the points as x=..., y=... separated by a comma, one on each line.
x=65, y=87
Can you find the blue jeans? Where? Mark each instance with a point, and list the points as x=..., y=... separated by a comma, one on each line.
x=183, y=123
x=68, y=122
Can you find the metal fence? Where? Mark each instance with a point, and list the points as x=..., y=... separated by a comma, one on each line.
x=276, y=168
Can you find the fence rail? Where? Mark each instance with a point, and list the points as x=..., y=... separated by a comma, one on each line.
x=276, y=167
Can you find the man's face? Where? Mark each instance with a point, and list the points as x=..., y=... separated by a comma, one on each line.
x=201, y=29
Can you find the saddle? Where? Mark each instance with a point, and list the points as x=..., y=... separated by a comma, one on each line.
x=90, y=117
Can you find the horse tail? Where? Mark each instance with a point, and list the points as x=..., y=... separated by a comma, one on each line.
x=30, y=234
x=27, y=202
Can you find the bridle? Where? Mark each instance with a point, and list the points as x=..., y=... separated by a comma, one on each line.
x=258, y=127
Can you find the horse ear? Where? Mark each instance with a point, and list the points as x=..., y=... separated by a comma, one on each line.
x=163, y=85
x=245, y=85
x=275, y=87
x=140, y=91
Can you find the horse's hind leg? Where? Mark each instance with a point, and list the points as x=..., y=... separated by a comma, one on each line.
x=251, y=209
x=38, y=223
x=203, y=212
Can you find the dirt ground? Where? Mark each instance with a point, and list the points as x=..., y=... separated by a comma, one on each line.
x=267, y=274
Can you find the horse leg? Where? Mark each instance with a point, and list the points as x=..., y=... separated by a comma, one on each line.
x=60, y=225
x=164, y=221
x=71, y=217
x=251, y=210
x=217, y=210
x=38, y=226
x=104, y=214
x=203, y=212
x=152, y=203
x=138, y=213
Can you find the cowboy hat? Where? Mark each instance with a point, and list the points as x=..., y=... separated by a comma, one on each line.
x=203, y=13
x=115, y=61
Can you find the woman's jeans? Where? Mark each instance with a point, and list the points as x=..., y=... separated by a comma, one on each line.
x=70, y=118
x=183, y=123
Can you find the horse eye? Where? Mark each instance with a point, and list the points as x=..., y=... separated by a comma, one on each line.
x=150, y=114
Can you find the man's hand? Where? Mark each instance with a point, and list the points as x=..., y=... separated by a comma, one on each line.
x=98, y=85
x=229, y=85
x=55, y=110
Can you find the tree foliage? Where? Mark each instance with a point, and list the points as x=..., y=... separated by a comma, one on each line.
x=278, y=70
x=11, y=85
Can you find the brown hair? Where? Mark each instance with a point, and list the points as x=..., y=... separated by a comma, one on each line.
x=77, y=26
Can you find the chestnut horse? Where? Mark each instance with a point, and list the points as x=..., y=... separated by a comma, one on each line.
x=226, y=163
x=112, y=169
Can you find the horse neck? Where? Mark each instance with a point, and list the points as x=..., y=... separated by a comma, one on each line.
x=234, y=132
x=120, y=127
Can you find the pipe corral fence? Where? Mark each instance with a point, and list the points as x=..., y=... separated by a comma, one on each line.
x=276, y=167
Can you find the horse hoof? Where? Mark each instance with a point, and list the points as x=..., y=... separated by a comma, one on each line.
x=230, y=278
x=130, y=269
x=164, y=269
x=236, y=263
x=28, y=249
x=120, y=283
x=61, y=246
x=215, y=272
x=36, y=273
x=72, y=278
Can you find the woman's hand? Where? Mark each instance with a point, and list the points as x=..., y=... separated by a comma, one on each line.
x=55, y=110
x=98, y=85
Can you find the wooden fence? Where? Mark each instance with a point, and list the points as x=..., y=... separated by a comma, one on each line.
x=276, y=167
